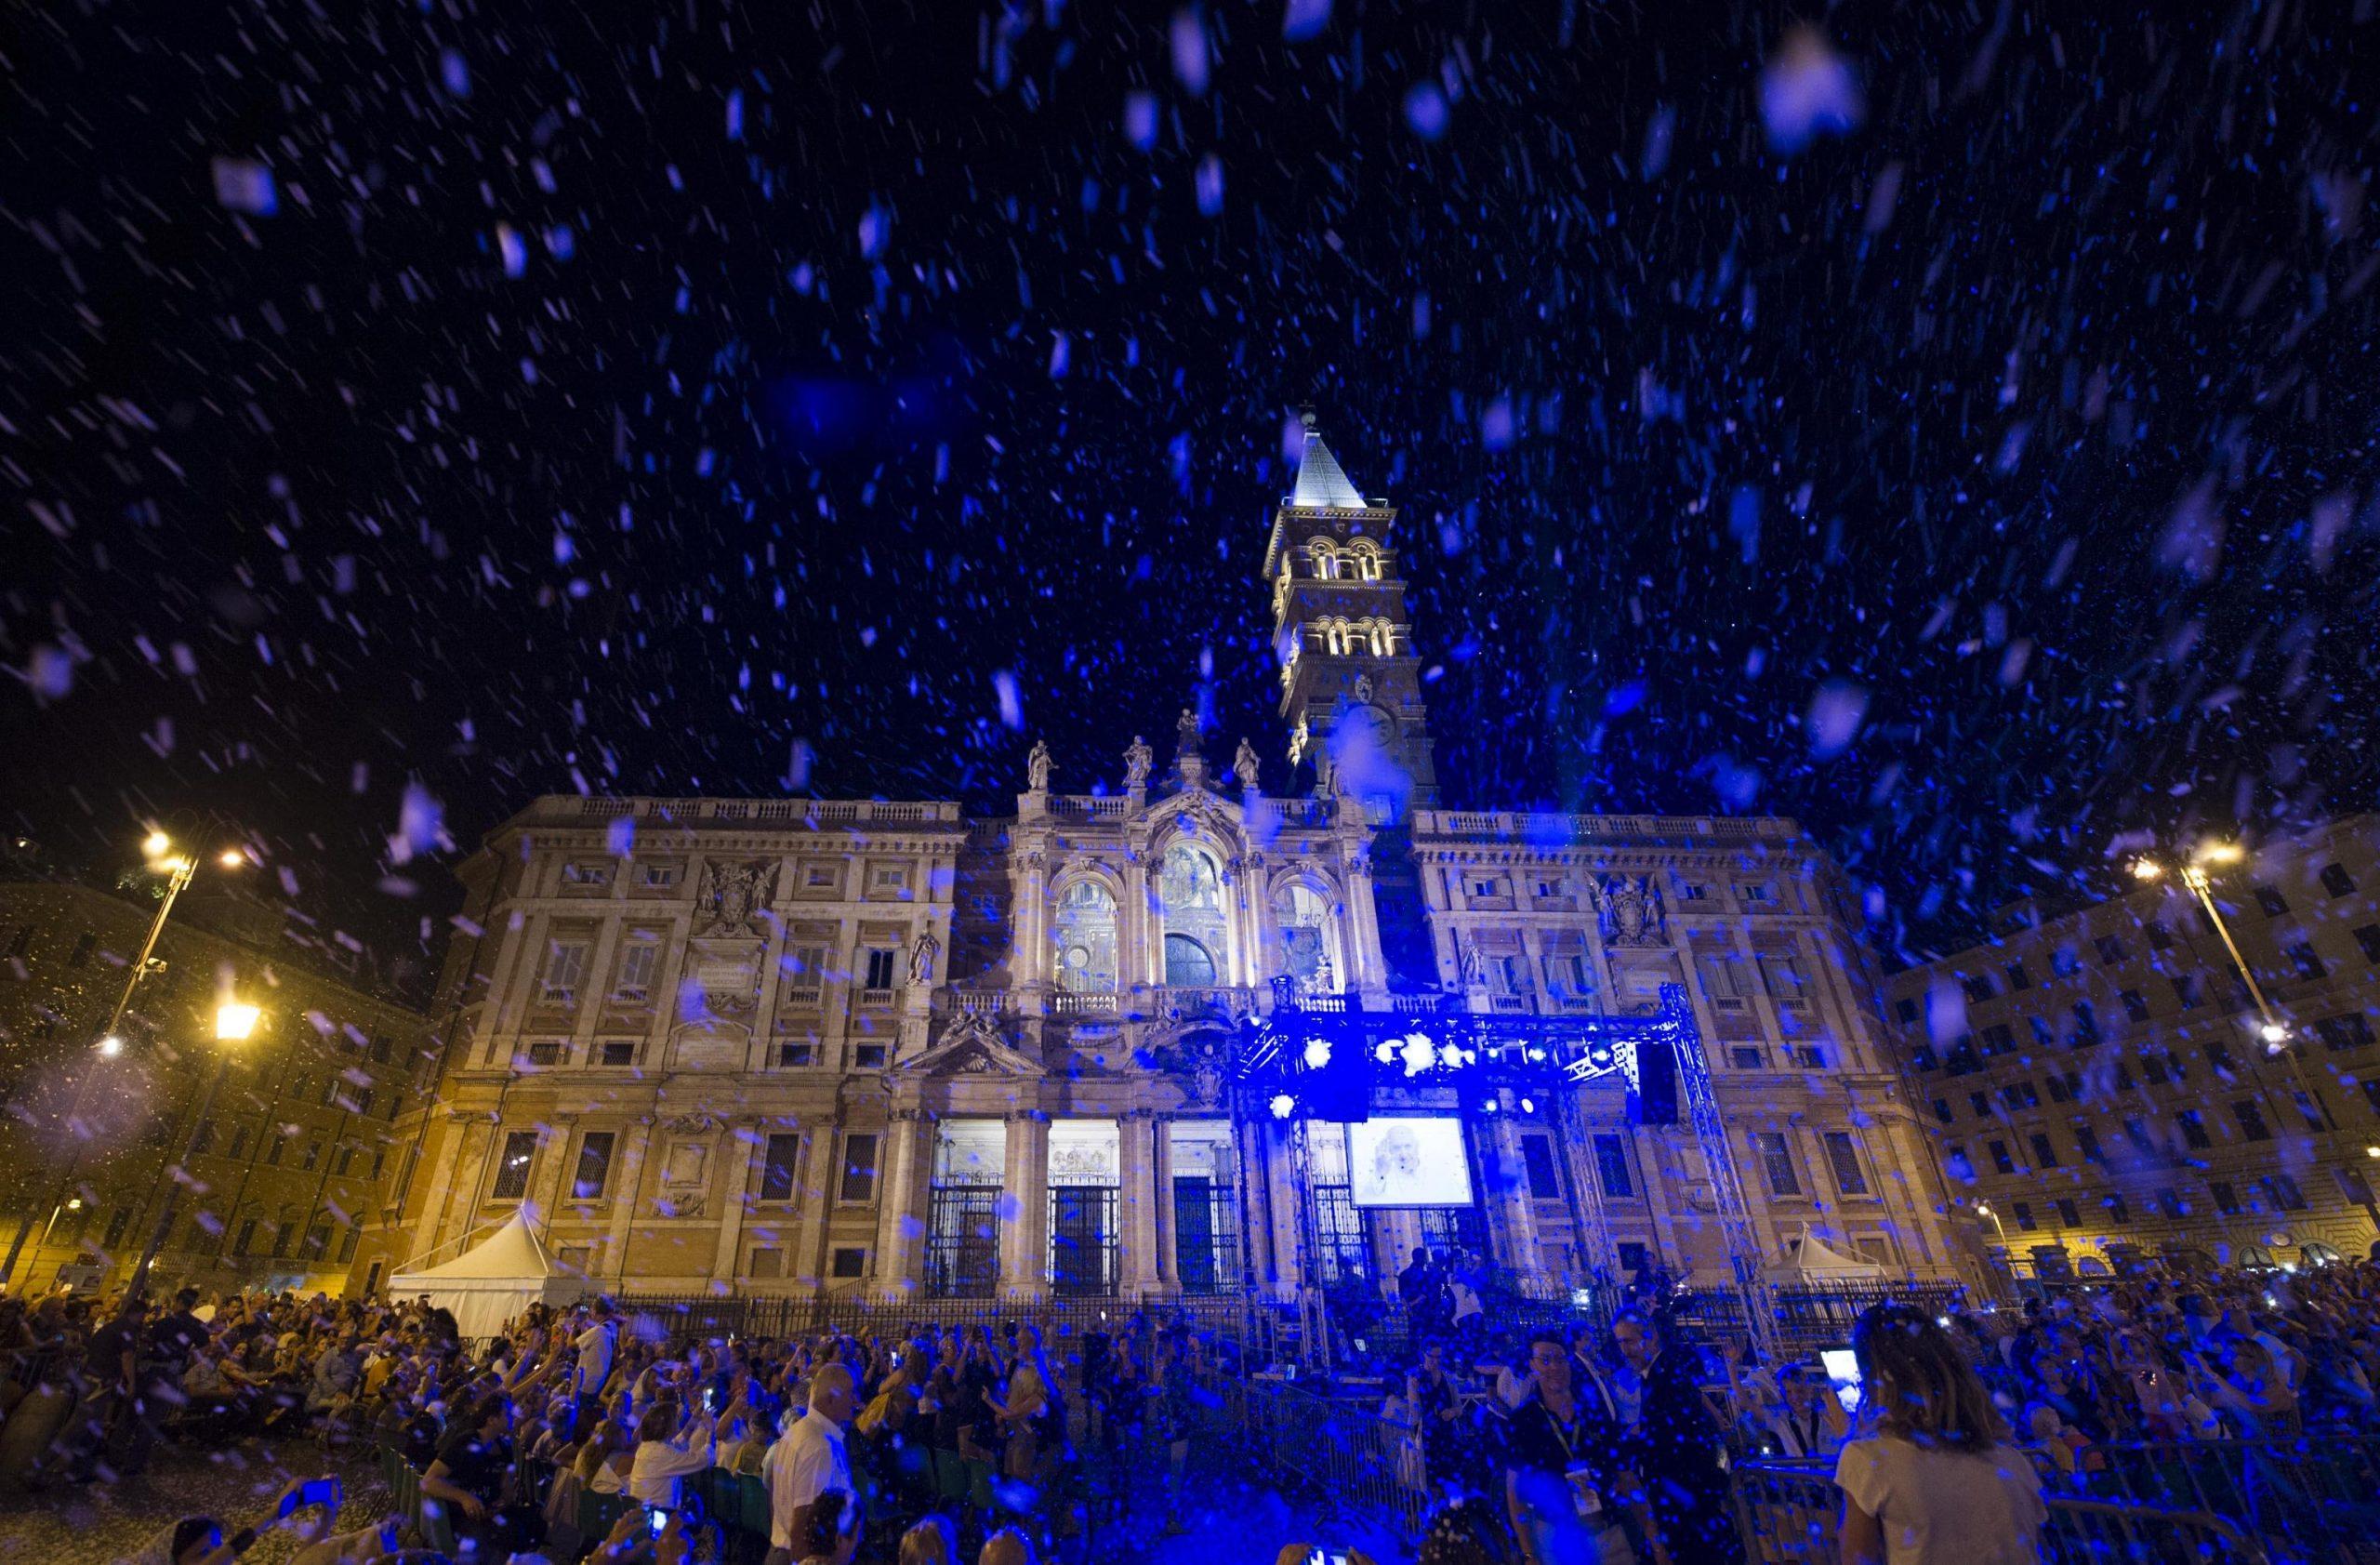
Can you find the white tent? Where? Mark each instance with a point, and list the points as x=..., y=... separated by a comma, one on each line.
x=494, y=1279
x=1809, y=1259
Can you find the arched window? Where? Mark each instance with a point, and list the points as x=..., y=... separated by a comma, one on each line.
x=1187, y=964
x=1190, y=897
x=1325, y=555
x=1309, y=939
x=1083, y=939
x=1363, y=557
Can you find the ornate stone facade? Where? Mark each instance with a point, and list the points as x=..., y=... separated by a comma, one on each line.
x=787, y=1045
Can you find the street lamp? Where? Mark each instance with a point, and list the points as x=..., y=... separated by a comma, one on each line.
x=157, y=852
x=2274, y=1031
x=1983, y=1209
x=236, y=1022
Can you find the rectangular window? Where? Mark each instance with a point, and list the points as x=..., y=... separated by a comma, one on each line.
x=2023, y=1211
x=2044, y=1035
x=314, y=1155
x=1942, y=1110
x=2152, y=1069
x=881, y=961
x=1567, y=977
x=2220, y=1056
x=513, y=1168
x=619, y=1052
x=660, y=877
x=848, y=1260
x=1906, y=1009
x=2143, y=1143
x=2193, y=1127
x=2087, y=1025
x=2282, y=1191
x=2252, y=1120
x=2136, y=1005
x=1611, y=1168
x=2311, y=1112
x=2352, y=1185
x=639, y=960
x=202, y=1140
x=1842, y=1156
x=594, y=1166
x=1747, y=1056
x=777, y=1166
x=545, y=1052
x=2086, y=1140
x=2271, y=901
x=797, y=1054
x=565, y=972
x=2336, y=881
x=2123, y=1077
x=2159, y=937
x=2000, y=1157
x=2119, y=1212
x=2045, y=1150
x=581, y=872
x=1537, y=1164
x=2227, y=1199
x=345, y=1161
x=2368, y=936
x=2371, y=1095
x=2185, y=989
x=1997, y=1039
x=2352, y=1031
x=1978, y=984
x=273, y=1153
x=2110, y=949
x=2169, y=1201
x=859, y=1167
x=1961, y=1167
x=1782, y=975
x=2018, y=979
x=1779, y=1164
x=2065, y=963
x=2056, y=1087
x=868, y=1056
x=1979, y=1103
x=804, y=972
x=2309, y=964
x=2068, y=1215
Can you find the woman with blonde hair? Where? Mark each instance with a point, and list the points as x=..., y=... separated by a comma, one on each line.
x=1937, y=1483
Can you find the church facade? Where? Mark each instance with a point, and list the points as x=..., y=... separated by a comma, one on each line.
x=884, y=1049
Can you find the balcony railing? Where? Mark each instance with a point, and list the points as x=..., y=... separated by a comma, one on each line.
x=796, y=814
x=1067, y=1002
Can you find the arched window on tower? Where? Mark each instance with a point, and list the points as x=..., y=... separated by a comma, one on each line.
x=1083, y=939
x=1309, y=952
x=1325, y=555
x=1189, y=889
x=1363, y=556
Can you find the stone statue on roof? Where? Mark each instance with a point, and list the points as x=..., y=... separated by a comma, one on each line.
x=1037, y=768
x=1138, y=760
x=1243, y=765
x=1186, y=729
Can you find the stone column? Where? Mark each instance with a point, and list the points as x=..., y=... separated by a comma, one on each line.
x=1024, y=1232
x=892, y=1278
x=1255, y=1206
x=816, y=1186
x=1507, y=1179
x=626, y=1186
x=1169, y=1268
x=548, y=1174
x=1362, y=926
x=739, y=1156
x=457, y=1163
x=1029, y=962
x=1136, y=1176
x=591, y=994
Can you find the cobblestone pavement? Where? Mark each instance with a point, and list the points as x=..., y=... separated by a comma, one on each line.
x=92, y=1524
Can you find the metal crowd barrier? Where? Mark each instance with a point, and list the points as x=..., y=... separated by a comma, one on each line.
x=1789, y=1514
x=2313, y=1498
x=1355, y=1462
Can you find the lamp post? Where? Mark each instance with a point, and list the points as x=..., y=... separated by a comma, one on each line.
x=157, y=852
x=236, y=1022
x=1983, y=1209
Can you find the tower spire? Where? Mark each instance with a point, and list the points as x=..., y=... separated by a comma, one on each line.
x=1351, y=688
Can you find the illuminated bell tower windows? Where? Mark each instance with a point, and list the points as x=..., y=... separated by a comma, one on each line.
x=1351, y=690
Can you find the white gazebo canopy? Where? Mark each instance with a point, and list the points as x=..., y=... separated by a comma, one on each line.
x=1810, y=1259
x=494, y=1279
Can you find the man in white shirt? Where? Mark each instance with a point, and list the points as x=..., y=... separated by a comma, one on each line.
x=594, y=1346
x=808, y=1460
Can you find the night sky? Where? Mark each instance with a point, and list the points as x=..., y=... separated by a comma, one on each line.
x=1949, y=425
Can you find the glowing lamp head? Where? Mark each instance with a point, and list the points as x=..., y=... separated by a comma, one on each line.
x=2219, y=853
x=1317, y=1052
x=235, y=1021
x=2146, y=870
x=1418, y=1055
x=113, y=1045
x=2274, y=1034
x=1283, y=1106
x=1529, y=1106
x=231, y=858
x=156, y=845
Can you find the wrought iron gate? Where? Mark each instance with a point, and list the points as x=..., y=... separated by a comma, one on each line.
x=962, y=1240
x=1206, y=1234
x=1453, y=1229
x=1082, y=1241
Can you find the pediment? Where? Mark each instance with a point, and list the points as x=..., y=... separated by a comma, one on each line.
x=1200, y=811
x=972, y=1044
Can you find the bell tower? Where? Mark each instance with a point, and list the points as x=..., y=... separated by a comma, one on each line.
x=1351, y=685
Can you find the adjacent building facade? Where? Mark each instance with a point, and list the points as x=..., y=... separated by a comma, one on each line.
x=2101, y=1086
x=98, y=1141
x=784, y=1045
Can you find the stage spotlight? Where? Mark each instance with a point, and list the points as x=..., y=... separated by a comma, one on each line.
x=1387, y=1052
x=1418, y=1055
x=1317, y=1052
x=1529, y=1106
x=1283, y=1106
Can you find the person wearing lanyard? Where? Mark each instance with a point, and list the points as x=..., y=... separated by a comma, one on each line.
x=1562, y=1484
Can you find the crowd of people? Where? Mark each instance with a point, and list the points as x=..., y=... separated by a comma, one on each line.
x=1608, y=1443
